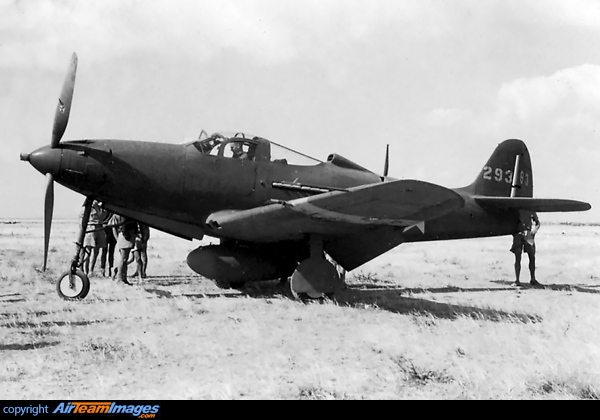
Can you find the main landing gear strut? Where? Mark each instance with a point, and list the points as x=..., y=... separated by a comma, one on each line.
x=74, y=284
x=315, y=277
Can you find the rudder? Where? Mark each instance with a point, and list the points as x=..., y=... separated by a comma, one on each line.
x=496, y=178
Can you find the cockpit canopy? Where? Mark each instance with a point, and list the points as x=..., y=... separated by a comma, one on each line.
x=253, y=148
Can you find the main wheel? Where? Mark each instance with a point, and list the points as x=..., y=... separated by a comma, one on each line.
x=315, y=278
x=73, y=286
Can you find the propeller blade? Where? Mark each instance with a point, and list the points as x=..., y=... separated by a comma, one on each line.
x=63, y=109
x=48, y=211
x=386, y=165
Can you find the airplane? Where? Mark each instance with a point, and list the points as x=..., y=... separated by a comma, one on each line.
x=277, y=213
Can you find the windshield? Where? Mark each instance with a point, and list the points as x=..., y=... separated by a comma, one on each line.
x=282, y=153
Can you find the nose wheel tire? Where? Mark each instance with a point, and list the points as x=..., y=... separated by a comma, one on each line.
x=74, y=286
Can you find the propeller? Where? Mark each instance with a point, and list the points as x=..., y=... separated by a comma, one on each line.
x=386, y=165
x=48, y=211
x=63, y=108
x=61, y=118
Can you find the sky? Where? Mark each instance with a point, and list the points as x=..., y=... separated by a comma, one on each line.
x=441, y=81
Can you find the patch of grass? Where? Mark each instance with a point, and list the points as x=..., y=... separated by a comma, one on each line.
x=317, y=393
x=12, y=372
x=569, y=388
x=367, y=279
x=418, y=375
x=101, y=349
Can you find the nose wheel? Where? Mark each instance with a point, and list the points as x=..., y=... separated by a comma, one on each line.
x=73, y=285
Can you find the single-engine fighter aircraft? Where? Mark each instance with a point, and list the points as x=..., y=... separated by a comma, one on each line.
x=277, y=213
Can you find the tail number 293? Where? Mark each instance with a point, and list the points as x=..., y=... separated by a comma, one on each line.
x=497, y=174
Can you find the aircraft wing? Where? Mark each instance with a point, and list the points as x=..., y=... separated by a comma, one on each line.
x=533, y=204
x=335, y=214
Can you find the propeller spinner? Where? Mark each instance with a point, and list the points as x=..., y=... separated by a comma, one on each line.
x=46, y=160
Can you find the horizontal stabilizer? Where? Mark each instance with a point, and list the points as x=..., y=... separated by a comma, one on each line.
x=533, y=204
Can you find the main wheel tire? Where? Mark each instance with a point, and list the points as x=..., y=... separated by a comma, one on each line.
x=73, y=286
x=315, y=278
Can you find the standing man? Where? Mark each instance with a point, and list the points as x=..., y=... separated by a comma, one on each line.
x=126, y=231
x=524, y=240
x=95, y=238
x=108, y=253
x=140, y=251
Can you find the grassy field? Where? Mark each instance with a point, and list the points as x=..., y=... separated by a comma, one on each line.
x=431, y=320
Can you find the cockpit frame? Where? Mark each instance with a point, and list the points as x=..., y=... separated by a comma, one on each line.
x=253, y=148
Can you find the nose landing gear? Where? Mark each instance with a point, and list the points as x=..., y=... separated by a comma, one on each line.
x=73, y=284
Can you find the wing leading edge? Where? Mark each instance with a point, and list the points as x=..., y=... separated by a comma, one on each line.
x=339, y=213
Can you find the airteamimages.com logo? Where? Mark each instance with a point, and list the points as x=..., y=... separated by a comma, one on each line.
x=146, y=411
x=97, y=409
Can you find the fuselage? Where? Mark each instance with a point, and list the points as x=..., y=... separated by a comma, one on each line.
x=175, y=187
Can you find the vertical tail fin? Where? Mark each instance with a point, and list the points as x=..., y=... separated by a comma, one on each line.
x=507, y=172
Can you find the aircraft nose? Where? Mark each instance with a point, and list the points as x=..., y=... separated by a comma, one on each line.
x=45, y=159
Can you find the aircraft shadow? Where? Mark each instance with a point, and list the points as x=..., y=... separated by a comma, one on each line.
x=392, y=300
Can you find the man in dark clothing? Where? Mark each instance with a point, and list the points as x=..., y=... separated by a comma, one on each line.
x=524, y=240
x=107, y=254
